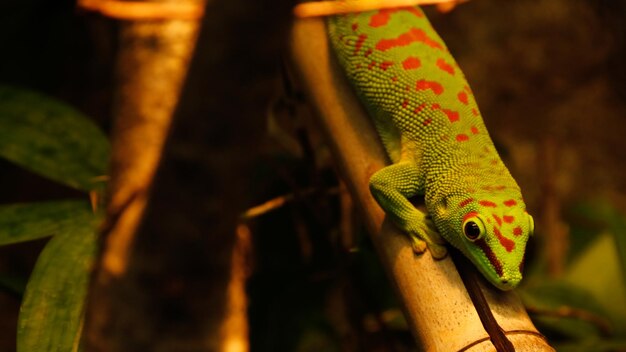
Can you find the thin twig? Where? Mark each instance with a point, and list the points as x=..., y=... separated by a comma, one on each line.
x=279, y=201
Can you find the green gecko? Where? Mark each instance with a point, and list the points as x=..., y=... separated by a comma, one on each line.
x=432, y=130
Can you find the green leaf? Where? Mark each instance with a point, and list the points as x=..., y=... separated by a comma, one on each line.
x=590, y=219
x=25, y=222
x=51, y=315
x=597, y=270
x=51, y=139
x=565, y=309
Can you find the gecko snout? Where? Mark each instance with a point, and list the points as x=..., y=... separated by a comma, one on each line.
x=508, y=282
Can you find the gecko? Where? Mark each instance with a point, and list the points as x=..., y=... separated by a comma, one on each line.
x=429, y=123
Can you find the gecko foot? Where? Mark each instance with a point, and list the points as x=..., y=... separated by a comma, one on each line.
x=438, y=251
x=425, y=236
x=419, y=245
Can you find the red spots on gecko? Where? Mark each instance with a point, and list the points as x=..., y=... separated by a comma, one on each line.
x=383, y=16
x=419, y=109
x=474, y=130
x=427, y=122
x=509, y=219
x=507, y=243
x=462, y=98
x=487, y=203
x=368, y=52
x=385, y=65
x=411, y=63
x=405, y=103
x=371, y=65
x=411, y=36
x=498, y=219
x=510, y=202
x=453, y=116
x=394, y=78
x=474, y=112
x=355, y=26
x=517, y=231
x=380, y=19
x=461, y=137
x=466, y=202
x=359, y=43
x=423, y=84
x=444, y=66
x=469, y=215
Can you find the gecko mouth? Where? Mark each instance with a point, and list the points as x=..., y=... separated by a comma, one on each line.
x=505, y=284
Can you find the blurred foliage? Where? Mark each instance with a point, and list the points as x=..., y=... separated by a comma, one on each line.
x=57, y=142
x=587, y=305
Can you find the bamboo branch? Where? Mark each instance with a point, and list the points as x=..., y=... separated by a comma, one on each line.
x=326, y=8
x=152, y=65
x=145, y=10
x=436, y=304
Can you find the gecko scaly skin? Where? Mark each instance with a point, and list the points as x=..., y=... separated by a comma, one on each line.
x=432, y=130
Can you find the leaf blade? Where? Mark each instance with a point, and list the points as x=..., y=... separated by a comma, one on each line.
x=52, y=139
x=31, y=221
x=52, y=310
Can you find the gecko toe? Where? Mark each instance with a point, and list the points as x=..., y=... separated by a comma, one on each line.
x=419, y=245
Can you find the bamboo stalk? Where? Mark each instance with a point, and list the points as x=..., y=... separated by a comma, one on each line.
x=152, y=64
x=436, y=304
x=326, y=8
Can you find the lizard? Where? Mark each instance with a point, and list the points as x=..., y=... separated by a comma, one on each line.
x=432, y=130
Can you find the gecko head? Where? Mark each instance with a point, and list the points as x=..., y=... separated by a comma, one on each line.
x=491, y=230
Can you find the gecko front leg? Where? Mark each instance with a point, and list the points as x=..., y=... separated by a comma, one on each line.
x=392, y=186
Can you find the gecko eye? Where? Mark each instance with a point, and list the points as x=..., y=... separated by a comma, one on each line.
x=473, y=229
